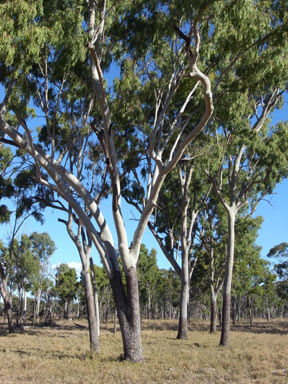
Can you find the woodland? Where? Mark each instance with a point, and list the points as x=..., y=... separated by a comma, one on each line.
x=170, y=107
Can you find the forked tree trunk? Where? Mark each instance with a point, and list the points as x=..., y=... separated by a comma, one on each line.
x=128, y=311
x=225, y=333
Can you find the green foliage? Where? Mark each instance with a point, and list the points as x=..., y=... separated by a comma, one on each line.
x=66, y=283
x=42, y=246
x=148, y=275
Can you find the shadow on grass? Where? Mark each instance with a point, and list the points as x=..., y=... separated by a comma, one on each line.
x=273, y=327
x=278, y=327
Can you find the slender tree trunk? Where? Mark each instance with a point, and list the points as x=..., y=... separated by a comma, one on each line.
x=251, y=311
x=128, y=311
x=7, y=304
x=115, y=321
x=268, y=310
x=37, y=306
x=96, y=299
x=225, y=333
x=184, y=301
x=24, y=309
x=220, y=317
x=92, y=319
x=213, y=310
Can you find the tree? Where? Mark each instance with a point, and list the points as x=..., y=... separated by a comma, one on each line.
x=280, y=253
x=66, y=286
x=58, y=38
x=212, y=235
x=26, y=268
x=13, y=185
x=42, y=248
x=252, y=154
x=148, y=276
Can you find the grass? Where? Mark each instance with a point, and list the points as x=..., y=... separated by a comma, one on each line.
x=60, y=354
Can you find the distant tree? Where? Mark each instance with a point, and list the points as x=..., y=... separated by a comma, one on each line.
x=26, y=268
x=148, y=276
x=280, y=254
x=66, y=286
x=42, y=248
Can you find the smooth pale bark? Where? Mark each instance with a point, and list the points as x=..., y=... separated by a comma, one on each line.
x=225, y=333
x=92, y=319
x=37, y=306
x=128, y=311
x=95, y=294
x=24, y=309
x=268, y=310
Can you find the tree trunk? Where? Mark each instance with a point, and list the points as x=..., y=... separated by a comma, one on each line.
x=92, y=319
x=24, y=309
x=251, y=311
x=213, y=310
x=184, y=301
x=128, y=311
x=96, y=299
x=268, y=310
x=115, y=321
x=37, y=306
x=225, y=333
x=7, y=304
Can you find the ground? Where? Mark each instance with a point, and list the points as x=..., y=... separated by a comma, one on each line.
x=60, y=354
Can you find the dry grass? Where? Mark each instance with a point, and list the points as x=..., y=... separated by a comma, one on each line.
x=61, y=355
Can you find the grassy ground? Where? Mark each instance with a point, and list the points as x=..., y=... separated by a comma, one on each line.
x=60, y=354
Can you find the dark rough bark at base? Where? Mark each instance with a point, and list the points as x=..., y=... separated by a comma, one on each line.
x=8, y=311
x=225, y=333
x=128, y=311
x=182, y=328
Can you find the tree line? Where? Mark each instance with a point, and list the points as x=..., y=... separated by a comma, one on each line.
x=184, y=134
x=39, y=297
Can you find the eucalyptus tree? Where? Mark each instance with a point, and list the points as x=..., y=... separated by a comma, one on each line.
x=66, y=286
x=26, y=268
x=18, y=207
x=280, y=253
x=46, y=57
x=237, y=39
x=252, y=153
x=148, y=276
x=212, y=237
x=42, y=247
